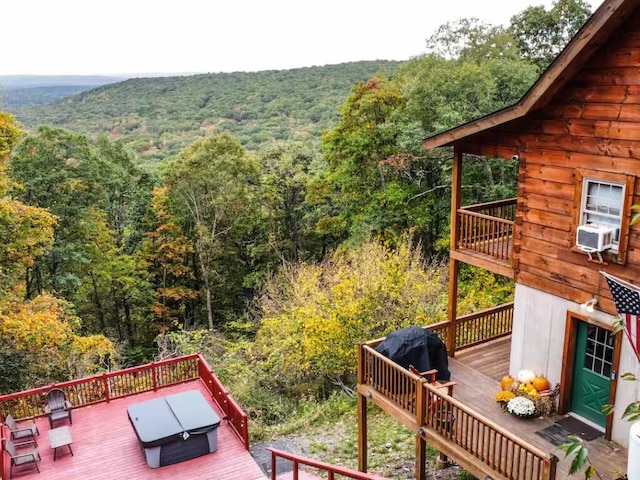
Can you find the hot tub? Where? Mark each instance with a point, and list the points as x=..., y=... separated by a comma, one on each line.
x=175, y=428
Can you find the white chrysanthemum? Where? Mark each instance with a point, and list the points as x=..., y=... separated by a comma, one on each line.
x=521, y=406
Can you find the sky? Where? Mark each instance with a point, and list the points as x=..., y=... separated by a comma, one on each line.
x=129, y=37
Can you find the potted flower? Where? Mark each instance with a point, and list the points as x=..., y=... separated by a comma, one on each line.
x=503, y=397
x=521, y=407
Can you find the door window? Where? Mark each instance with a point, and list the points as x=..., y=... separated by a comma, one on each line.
x=598, y=355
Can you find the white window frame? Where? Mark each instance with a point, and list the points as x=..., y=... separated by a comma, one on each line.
x=614, y=220
x=619, y=254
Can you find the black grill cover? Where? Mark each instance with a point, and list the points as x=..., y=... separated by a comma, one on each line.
x=418, y=347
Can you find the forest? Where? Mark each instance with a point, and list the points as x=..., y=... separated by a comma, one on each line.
x=272, y=254
x=157, y=117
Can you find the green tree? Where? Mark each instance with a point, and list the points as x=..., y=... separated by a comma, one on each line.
x=542, y=34
x=59, y=171
x=287, y=228
x=213, y=184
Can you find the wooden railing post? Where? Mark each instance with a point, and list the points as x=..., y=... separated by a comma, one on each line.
x=273, y=466
x=421, y=443
x=105, y=383
x=549, y=470
x=154, y=376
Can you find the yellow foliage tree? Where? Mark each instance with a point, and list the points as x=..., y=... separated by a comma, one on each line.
x=315, y=315
x=41, y=341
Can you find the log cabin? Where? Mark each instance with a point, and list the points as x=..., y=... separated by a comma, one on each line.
x=576, y=136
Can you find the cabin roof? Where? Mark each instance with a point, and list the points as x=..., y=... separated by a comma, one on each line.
x=106, y=447
x=595, y=33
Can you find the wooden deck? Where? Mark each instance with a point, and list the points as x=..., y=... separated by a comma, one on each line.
x=477, y=372
x=492, y=359
x=105, y=447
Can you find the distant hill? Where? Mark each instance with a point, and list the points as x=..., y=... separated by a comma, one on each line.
x=13, y=82
x=159, y=116
x=17, y=91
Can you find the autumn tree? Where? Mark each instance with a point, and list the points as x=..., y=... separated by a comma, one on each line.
x=41, y=335
x=314, y=314
x=167, y=252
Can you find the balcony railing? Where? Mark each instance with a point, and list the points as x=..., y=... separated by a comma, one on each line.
x=487, y=228
x=124, y=383
x=471, y=439
x=478, y=437
x=472, y=329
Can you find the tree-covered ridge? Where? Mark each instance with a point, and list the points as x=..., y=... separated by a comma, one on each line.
x=159, y=116
x=13, y=99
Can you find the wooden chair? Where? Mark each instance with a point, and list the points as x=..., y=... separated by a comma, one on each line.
x=430, y=375
x=27, y=432
x=57, y=408
x=23, y=458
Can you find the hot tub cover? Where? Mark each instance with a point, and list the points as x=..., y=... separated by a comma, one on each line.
x=177, y=416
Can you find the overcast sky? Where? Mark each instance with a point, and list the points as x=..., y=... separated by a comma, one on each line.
x=161, y=36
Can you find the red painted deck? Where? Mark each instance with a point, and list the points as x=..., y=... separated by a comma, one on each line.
x=105, y=447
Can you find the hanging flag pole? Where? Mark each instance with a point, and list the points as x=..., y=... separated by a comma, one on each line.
x=626, y=296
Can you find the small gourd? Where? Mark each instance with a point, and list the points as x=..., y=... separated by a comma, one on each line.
x=526, y=376
x=506, y=382
x=540, y=383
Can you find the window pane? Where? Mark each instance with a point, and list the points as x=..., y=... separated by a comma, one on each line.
x=597, y=367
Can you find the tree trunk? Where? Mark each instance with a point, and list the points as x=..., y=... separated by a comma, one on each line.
x=116, y=313
x=98, y=302
x=128, y=322
x=206, y=272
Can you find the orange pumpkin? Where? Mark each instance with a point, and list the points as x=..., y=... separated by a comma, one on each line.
x=540, y=384
x=507, y=381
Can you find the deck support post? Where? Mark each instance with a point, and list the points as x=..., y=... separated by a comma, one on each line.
x=362, y=413
x=454, y=265
x=421, y=443
x=421, y=458
x=362, y=433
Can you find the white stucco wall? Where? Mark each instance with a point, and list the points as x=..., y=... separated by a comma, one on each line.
x=539, y=321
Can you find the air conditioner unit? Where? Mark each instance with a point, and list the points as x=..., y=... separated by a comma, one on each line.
x=594, y=238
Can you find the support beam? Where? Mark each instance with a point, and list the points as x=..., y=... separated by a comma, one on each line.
x=454, y=267
x=362, y=432
x=421, y=458
x=362, y=412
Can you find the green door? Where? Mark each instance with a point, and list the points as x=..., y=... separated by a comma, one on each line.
x=592, y=372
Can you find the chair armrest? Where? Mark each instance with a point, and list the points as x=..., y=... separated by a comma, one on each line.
x=33, y=454
x=47, y=409
x=25, y=443
x=68, y=405
x=431, y=374
x=449, y=386
x=18, y=430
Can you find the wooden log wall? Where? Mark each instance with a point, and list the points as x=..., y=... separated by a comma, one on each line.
x=592, y=123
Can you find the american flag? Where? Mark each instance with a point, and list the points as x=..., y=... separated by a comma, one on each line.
x=627, y=299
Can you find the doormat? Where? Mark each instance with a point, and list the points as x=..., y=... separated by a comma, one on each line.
x=579, y=429
x=554, y=434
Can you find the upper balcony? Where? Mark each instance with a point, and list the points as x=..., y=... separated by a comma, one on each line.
x=484, y=236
